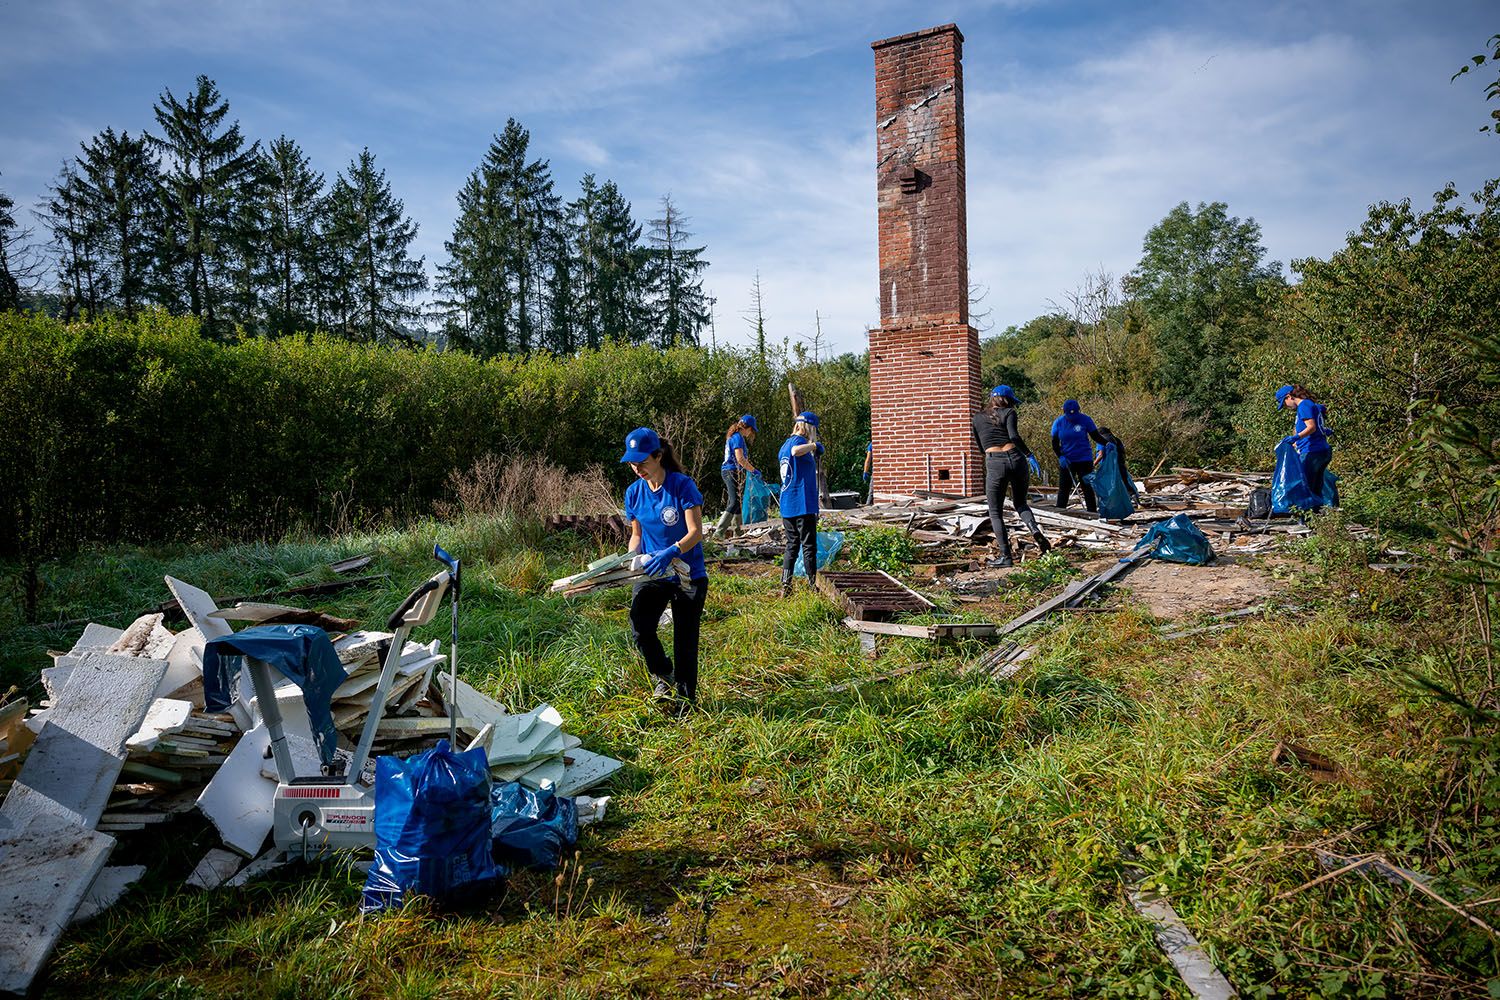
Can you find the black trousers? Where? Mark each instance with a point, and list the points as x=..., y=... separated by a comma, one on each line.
x=1069, y=473
x=1314, y=468
x=1005, y=470
x=649, y=599
x=801, y=532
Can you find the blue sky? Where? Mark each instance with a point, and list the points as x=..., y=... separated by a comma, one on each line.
x=1087, y=121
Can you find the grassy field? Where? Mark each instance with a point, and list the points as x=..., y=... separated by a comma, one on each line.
x=941, y=833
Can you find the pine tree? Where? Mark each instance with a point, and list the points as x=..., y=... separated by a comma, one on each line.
x=294, y=209
x=678, y=308
x=117, y=187
x=210, y=171
x=76, y=237
x=502, y=256
x=756, y=316
x=375, y=278
x=608, y=258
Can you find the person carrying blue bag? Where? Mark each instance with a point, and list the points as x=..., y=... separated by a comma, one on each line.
x=1071, y=434
x=665, y=513
x=1008, y=464
x=737, y=442
x=799, y=499
x=1309, y=438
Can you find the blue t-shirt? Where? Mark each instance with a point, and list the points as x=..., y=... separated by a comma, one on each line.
x=1072, y=430
x=799, y=479
x=1316, y=441
x=735, y=440
x=663, y=516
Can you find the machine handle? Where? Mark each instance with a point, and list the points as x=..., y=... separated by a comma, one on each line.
x=411, y=601
x=455, y=571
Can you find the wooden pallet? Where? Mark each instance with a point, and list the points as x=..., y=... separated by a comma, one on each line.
x=872, y=595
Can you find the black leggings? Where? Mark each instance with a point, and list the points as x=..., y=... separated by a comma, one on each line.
x=1067, y=474
x=801, y=533
x=647, y=603
x=1006, y=470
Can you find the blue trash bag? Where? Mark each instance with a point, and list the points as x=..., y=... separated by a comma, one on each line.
x=1289, y=491
x=531, y=829
x=1109, y=486
x=757, y=498
x=432, y=829
x=829, y=544
x=1178, y=539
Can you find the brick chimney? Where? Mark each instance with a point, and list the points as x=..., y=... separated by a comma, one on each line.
x=924, y=356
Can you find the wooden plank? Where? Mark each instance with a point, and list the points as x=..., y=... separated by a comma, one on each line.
x=1197, y=969
x=46, y=869
x=890, y=628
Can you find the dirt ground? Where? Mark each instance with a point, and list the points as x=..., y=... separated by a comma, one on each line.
x=1171, y=590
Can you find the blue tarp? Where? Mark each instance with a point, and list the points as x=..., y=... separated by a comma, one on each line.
x=1289, y=490
x=432, y=829
x=1178, y=539
x=829, y=544
x=302, y=652
x=531, y=829
x=1109, y=486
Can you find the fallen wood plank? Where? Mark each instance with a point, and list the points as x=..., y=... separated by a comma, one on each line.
x=217, y=866
x=77, y=756
x=46, y=868
x=1198, y=972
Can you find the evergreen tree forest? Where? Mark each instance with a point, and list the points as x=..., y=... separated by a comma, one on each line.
x=195, y=218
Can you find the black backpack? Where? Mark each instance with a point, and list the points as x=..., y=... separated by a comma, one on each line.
x=1260, y=505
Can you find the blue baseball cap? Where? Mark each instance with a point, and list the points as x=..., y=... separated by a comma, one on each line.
x=749, y=421
x=1071, y=406
x=1004, y=392
x=639, y=444
x=808, y=417
x=1281, y=395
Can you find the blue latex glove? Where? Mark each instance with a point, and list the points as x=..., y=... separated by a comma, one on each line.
x=756, y=474
x=1290, y=438
x=867, y=477
x=1036, y=470
x=660, y=563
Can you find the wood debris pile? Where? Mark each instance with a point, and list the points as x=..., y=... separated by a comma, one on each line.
x=122, y=744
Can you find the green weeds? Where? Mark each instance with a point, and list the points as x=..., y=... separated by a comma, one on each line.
x=935, y=831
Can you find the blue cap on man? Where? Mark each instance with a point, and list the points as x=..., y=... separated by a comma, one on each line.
x=639, y=444
x=808, y=417
x=1071, y=406
x=1004, y=392
x=749, y=421
x=1281, y=395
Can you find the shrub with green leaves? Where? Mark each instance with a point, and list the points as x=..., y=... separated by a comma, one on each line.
x=890, y=549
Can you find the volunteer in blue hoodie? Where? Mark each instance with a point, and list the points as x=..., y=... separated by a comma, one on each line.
x=1008, y=464
x=1071, y=433
x=799, y=499
x=665, y=513
x=737, y=442
x=1309, y=436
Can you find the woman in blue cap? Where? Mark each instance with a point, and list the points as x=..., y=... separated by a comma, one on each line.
x=1071, y=434
x=665, y=512
x=799, y=499
x=737, y=442
x=1309, y=436
x=1008, y=464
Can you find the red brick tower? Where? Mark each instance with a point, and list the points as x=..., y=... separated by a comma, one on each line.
x=924, y=357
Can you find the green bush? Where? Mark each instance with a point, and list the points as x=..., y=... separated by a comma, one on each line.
x=142, y=430
x=890, y=549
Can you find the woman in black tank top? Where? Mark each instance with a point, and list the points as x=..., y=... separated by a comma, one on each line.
x=1006, y=466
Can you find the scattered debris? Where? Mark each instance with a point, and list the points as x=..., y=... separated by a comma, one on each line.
x=1202, y=978
x=215, y=869
x=623, y=569
x=872, y=595
x=1319, y=768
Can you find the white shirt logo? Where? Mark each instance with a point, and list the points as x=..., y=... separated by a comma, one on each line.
x=669, y=516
